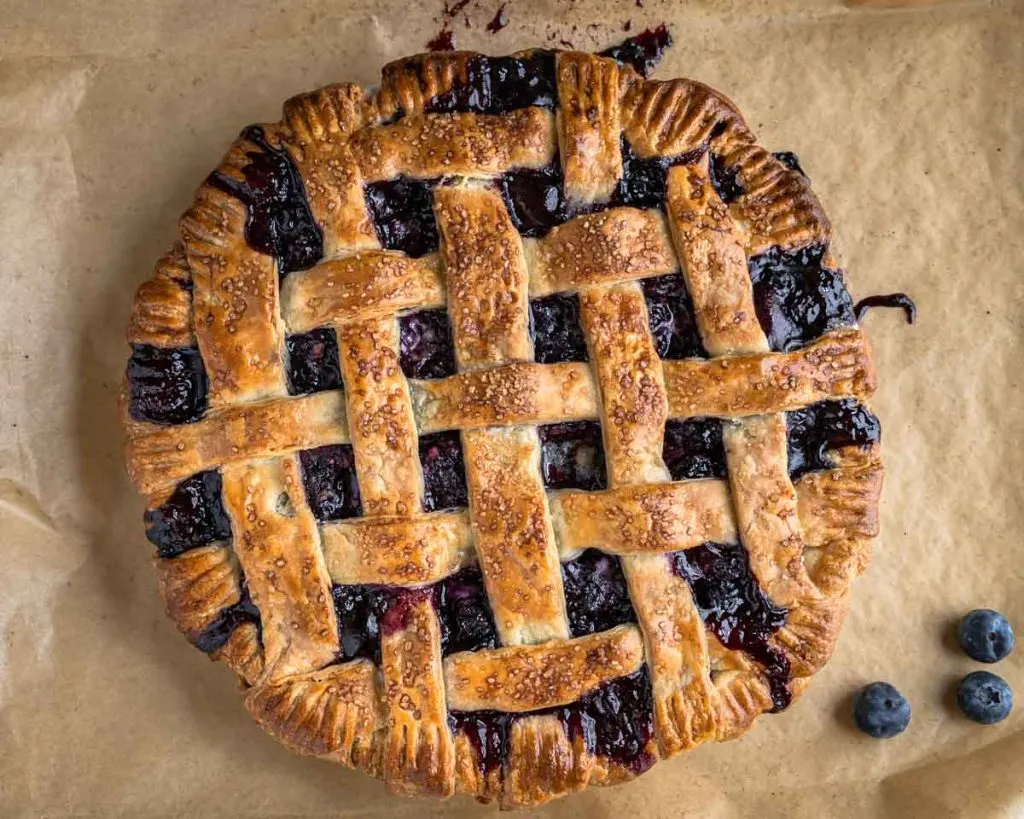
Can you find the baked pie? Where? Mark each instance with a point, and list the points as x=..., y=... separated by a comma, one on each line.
x=503, y=428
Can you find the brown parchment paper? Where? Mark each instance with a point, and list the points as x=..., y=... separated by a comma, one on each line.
x=908, y=120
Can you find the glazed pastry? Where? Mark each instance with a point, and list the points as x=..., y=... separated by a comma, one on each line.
x=504, y=429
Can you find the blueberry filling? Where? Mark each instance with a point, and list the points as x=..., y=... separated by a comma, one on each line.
x=797, y=298
x=359, y=609
x=467, y=622
x=824, y=426
x=693, y=449
x=535, y=199
x=557, y=332
x=644, y=181
x=572, y=455
x=313, y=362
x=671, y=318
x=425, y=345
x=444, y=475
x=166, y=385
x=329, y=477
x=497, y=85
x=487, y=732
x=644, y=51
x=596, y=597
x=219, y=631
x=791, y=161
x=735, y=609
x=725, y=179
x=191, y=517
x=279, y=222
x=403, y=215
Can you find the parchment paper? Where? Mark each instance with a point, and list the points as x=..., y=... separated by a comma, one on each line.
x=908, y=121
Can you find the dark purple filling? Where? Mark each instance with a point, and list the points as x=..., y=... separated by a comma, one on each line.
x=403, y=214
x=497, y=85
x=329, y=476
x=166, y=385
x=217, y=633
x=444, y=475
x=735, y=609
x=797, y=298
x=900, y=300
x=596, y=596
x=191, y=517
x=644, y=51
x=790, y=160
x=725, y=179
x=816, y=429
x=425, y=344
x=671, y=317
x=313, y=362
x=644, y=181
x=557, y=332
x=467, y=622
x=615, y=721
x=693, y=449
x=280, y=222
x=359, y=610
x=535, y=199
x=572, y=455
x=399, y=605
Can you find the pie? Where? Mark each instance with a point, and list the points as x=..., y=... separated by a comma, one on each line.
x=503, y=429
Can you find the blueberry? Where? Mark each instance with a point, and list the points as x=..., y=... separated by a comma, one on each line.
x=984, y=697
x=881, y=711
x=985, y=636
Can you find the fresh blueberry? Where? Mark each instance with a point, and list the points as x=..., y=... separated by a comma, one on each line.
x=881, y=711
x=984, y=697
x=985, y=636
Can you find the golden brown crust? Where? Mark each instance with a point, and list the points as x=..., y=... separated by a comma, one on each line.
x=397, y=551
x=162, y=311
x=277, y=543
x=243, y=653
x=370, y=284
x=380, y=417
x=519, y=679
x=419, y=754
x=837, y=365
x=519, y=393
x=543, y=763
x=408, y=84
x=159, y=457
x=619, y=244
x=488, y=298
x=429, y=145
x=197, y=586
x=588, y=126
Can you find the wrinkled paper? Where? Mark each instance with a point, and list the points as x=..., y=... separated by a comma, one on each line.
x=909, y=122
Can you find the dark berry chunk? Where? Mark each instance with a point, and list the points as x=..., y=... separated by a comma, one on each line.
x=496, y=85
x=644, y=51
x=644, y=181
x=218, y=632
x=467, y=623
x=192, y=516
x=403, y=215
x=615, y=720
x=880, y=711
x=487, y=732
x=596, y=596
x=398, y=607
x=313, y=362
x=671, y=317
x=425, y=342
x=986, y=636
x=725, y=179
x=572, y=455
x=790, y=160
x=535, y=199
x=797, y=298
x=557, y=332
x=166, y=385
x=984, y=697
x=279, y=222
x=693, y=449
x=359, y=610
x=329, y=476
x=444, y=475
x=735, y=609
x=824, y=426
